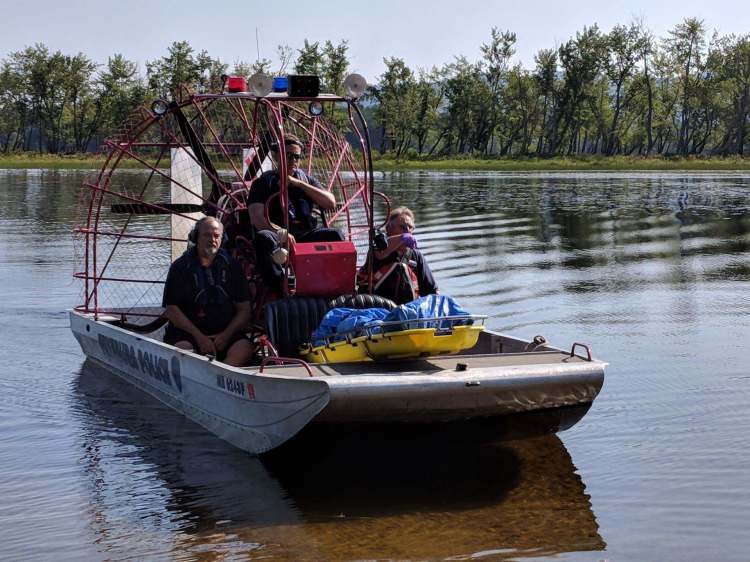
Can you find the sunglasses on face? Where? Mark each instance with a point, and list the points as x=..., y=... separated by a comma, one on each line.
x=293, y=156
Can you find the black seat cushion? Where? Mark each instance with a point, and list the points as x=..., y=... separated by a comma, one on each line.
x=362, y=301
x=290, y=322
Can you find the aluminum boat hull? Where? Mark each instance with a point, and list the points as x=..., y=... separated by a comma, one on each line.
x=259, y=411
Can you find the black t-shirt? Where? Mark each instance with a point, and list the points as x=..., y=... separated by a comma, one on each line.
x=207, y=296
x=395, y=286
x=301, y=219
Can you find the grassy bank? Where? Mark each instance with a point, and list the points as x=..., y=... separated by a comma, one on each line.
x=516, y=164
x=53, y=161
x=578, y=163
x=32, y=160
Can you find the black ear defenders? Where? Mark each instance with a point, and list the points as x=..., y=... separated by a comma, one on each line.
x=193, y=234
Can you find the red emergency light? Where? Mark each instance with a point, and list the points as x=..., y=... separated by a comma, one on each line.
x=236, y=84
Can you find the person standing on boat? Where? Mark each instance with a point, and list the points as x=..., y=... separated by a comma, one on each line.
x=304, y=193
x=207, y=300
x=400, y=271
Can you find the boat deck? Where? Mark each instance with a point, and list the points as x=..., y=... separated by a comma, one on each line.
x=432, y=365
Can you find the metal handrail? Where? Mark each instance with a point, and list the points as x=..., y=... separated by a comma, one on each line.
x=282, y=361
x=584, y=346
x=379, y=324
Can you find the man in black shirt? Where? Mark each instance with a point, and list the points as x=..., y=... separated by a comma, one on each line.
x=400, y=271
x=206, y=299
x=304, y=193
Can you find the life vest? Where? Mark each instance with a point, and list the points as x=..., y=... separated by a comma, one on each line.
x=211, y=298
x=402, y=273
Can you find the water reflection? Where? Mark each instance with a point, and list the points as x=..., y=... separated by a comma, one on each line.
x=651, y=269
x=576, y=221
x=154, y=476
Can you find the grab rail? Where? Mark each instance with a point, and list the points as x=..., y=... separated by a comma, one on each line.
x=584, y=346
x=463, y=317
x=282, y=360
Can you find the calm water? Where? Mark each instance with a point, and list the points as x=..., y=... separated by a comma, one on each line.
x=653, y=270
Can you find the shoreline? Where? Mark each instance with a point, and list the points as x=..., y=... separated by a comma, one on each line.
x=385, y=164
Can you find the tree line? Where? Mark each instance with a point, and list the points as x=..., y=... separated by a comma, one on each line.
x=624, y=91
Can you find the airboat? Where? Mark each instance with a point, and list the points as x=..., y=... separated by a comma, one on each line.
x=200, y=154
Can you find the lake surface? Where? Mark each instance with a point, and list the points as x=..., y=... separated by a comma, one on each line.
x=652, y=270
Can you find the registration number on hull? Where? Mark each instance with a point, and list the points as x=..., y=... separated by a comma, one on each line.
x=234, y=386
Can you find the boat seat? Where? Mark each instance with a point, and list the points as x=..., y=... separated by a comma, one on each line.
x=363, y=300
x=289, y=322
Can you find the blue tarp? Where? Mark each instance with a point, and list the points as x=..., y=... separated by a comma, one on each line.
x=431, y=306
x=349, y=320
x=343, y=320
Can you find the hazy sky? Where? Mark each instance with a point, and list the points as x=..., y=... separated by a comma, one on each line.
x=423, y=33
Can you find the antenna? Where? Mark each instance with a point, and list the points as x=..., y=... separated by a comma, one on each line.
x=257, y=45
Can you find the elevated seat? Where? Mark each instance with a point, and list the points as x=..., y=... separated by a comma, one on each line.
x=289, y=322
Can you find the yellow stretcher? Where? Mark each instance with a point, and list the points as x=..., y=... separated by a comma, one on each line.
x=448, y=336
x=337, y=352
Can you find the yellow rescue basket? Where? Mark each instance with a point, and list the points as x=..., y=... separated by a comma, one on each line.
x=422, y=342
x=442, y=338
x=350, y=351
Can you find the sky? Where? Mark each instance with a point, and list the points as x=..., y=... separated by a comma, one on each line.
x=423, y=33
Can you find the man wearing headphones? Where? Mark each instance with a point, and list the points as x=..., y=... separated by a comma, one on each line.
x=304, y=192
x=207, y=300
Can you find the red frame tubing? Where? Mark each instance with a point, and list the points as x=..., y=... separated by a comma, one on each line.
x=328, y=153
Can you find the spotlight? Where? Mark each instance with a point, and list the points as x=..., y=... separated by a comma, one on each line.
x=159, y=107
x=354, y=86
x=260, y=85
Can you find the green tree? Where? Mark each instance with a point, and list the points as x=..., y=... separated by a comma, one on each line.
x=521, y=113
x=581, y=60
x=496, y=58
x=666, y=98
x=647, y=49
x=168, y=75
x=15, y=108
x=45, y=76
x=84, y=99
x=396, y=96
x=468, y=98
x=686, y=44
x=544, y=78
x=122, y=91
x=624, y=49
x=335, y=66
x=733, y=69
x=309, y=59
x=429, y=96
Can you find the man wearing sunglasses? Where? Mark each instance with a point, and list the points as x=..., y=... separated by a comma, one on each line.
x=304, y=192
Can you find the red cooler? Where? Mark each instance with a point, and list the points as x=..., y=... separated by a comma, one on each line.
x=324, y=269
